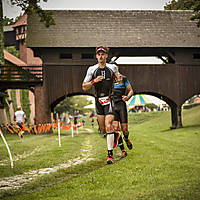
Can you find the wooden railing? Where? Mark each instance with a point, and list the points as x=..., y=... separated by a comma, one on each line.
x=21, y=73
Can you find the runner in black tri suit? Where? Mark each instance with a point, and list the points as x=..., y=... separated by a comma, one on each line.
x=102, y=76
x=120, y=89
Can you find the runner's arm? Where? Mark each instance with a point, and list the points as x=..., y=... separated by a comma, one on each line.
x=130, y=93
x=87, y=85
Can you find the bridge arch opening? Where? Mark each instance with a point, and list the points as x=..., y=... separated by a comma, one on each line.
x=190, y=105
x=72, y=104
x=192, y=102
x=147, y=102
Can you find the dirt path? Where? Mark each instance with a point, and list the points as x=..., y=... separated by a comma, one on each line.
x=15, y=182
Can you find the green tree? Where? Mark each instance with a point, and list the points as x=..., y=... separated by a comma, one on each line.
x=64, y=106
x=32, y=6
x=73, y=104
x=7, y=21
x=186, y=5
x=79, y=102
x=1, y=35
x=24, y=99
x=13, y=51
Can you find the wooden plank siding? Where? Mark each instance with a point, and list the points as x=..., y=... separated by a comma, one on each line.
x=176, y=82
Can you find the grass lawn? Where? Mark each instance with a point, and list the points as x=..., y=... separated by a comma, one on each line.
x=164, y=163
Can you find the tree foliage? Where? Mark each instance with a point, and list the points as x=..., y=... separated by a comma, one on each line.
x=72, y=105
x=25, y=103
x=10, y=21
x=186, y=5
x=32, y=6
x=7, y=21
x=13, y=51
x=1, y=35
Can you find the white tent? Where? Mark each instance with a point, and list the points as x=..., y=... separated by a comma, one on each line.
x=156, y=100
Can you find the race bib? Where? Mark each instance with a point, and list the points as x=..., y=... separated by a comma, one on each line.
x=104, y=101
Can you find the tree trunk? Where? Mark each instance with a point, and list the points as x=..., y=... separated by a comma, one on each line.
x=2, y=119
x=1, y=35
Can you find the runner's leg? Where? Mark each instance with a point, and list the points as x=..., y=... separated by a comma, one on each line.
x=126, y=134
x=101, y=120
x=110, y=136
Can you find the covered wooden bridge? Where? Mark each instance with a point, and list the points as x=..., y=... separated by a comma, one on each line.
x=67, y=49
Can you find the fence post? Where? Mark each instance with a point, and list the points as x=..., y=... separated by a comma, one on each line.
x=59, y=133
x=11, y=160
x=77, y=129
x=72, y=128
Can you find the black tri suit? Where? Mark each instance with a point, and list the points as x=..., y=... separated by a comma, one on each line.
x=103, y=89
x=120, y=109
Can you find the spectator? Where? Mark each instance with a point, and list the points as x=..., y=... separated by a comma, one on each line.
x=20, y=119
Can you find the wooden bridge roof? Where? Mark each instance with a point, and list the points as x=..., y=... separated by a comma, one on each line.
x=115, y=28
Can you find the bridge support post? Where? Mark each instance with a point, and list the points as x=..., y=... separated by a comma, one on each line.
x=179, y=117
x=42, y=110
x=176, y=116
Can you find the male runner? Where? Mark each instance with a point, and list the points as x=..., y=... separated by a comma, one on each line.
x=102, y=76
x=121, y=87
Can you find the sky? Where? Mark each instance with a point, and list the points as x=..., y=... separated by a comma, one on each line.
x=13, y=11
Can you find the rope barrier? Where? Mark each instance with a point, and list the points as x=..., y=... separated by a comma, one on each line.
x=37, y=129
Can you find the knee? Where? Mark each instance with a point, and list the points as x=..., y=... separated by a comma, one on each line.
x=109, y=124
x=116, y=128
x=108, y=128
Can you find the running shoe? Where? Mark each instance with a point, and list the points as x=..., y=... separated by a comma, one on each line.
x=116, y=137
x=124, y=154
x=128, y=143
x=109, y=159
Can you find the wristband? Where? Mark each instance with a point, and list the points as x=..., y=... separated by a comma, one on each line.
x=92, y=82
